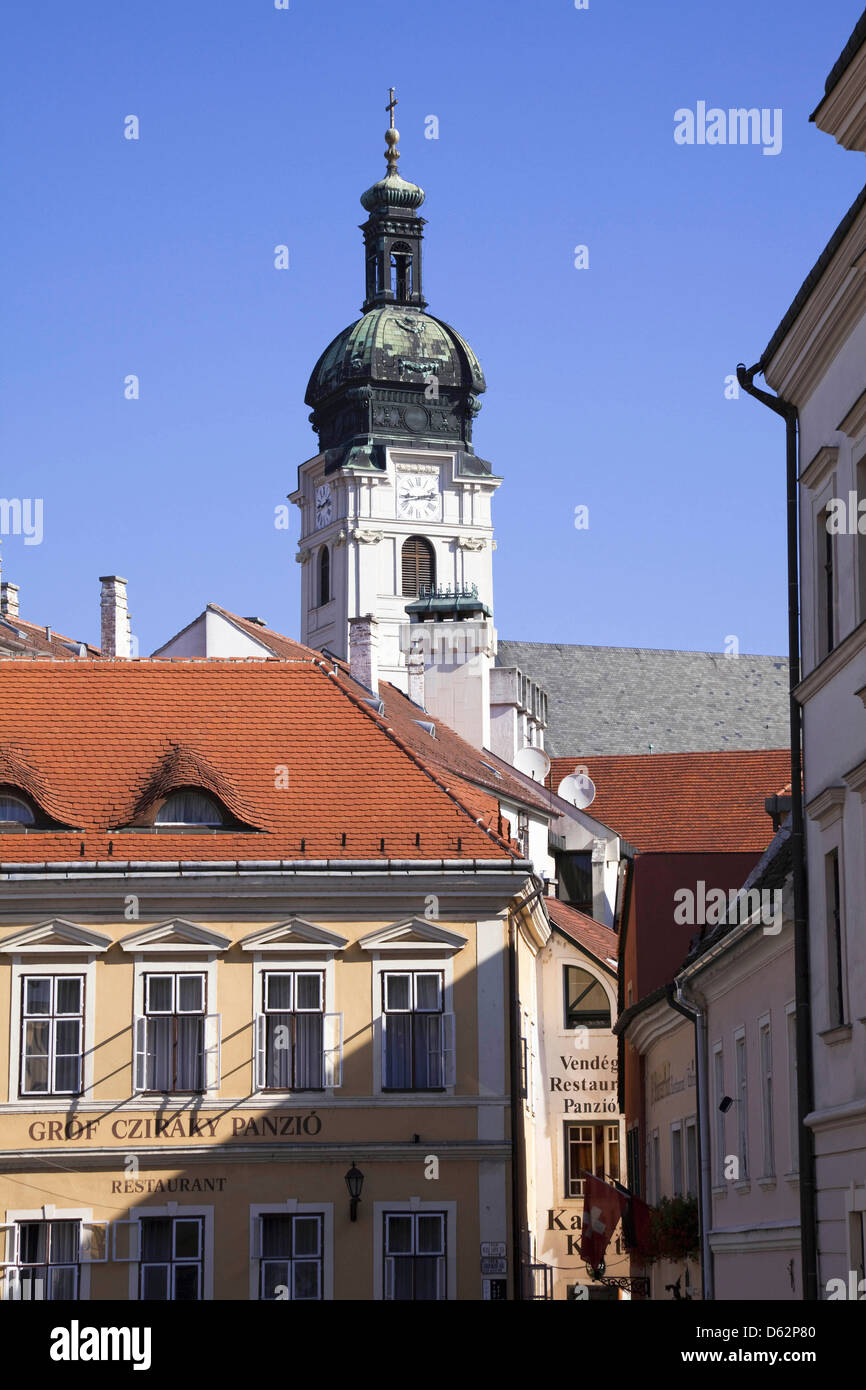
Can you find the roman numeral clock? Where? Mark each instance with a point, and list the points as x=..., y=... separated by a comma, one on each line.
x=396, y=500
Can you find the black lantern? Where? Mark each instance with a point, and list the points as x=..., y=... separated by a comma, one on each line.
x=354, y=1182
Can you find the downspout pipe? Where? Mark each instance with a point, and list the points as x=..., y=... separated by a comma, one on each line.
x=690, y=1009
x=802, y=995
x=519, y=1222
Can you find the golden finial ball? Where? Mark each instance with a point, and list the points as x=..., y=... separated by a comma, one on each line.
x=392, y=136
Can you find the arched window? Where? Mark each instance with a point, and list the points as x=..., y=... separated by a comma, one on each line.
x=419, y=565
x=324, y=575
x=401, y=270
x=15, y=811
x=586, y=1001
x=189, y=807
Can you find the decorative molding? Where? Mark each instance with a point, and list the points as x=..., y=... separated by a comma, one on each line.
x=173, y=936
x=827, y=806
x=817, y=471
x=57, y=937
x=302, y=557
x=413, y=934
x=471, y=543
x=295, y=935
x=855, y=421
x=856, y=778
x=831, y=665
x=366, y=537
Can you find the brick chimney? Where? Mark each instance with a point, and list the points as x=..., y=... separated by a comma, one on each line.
x=364, y=651
x=415, y=665
x=116, y=631
x=9, y=600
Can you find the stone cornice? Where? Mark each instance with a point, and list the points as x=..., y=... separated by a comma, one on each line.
x=832, y=664
x=818, y=470
x=855, y=421
x=842, y=113
x=856, y=780
x=827, y=806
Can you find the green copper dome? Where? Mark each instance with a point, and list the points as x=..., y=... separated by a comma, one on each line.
x=392, y=192
x=400, y=345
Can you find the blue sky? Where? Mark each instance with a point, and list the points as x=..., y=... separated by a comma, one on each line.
x=260, y=127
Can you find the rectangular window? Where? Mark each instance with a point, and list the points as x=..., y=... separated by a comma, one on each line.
x=793, y=1105
x=52, y=1032
x=170, y=1267
x=414, y=1264
x=742, y=1106
x=632, y=1156
x=47, y=1261
x=294, y=1003
x=691, y=1158
x=719, y=1086
x=861, y=542
x=826, y=586
x=174, y=1021
x=767, y=1098
x=417, y=1035
x=590, y=1149
x=290, y=1266
x=676, y=1160
x=835, y=970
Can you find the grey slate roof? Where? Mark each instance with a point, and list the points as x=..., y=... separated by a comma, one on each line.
x=605, y=700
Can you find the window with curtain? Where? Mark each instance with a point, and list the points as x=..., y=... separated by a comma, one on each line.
x=590, y=1149
x=52, y=1027
x=414, y=1031
x=290, y=1265
x=189, y=807
x=414, y=1264
x=419, y=566
x=175, y=1032
x=324, y=575
x=47, y=1261
x=586, y=1001
x=294, y=1004
x=170, y=1268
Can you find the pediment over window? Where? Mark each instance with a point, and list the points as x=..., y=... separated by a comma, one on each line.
x=55, y=937
x=414, y=934
x=178, y=936
x=296, y=934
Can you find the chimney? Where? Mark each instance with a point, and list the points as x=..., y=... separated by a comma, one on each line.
x=415, y=666
x=9, y=600
x=364, y=651
x=116, y=635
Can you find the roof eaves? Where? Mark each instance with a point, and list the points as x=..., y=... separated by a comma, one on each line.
x=844, y=61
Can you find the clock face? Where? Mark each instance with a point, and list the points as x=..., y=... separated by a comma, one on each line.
x=418, y=497
x=324, y=506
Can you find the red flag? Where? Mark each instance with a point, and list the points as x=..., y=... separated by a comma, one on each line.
x=603, y=1206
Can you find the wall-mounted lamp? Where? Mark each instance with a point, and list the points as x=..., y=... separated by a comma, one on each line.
x=354, y=1182
x=725, y=1104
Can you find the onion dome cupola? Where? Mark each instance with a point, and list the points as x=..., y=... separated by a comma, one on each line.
x=397, y=376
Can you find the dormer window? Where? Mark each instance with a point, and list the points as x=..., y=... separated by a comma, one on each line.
x=15, y=811
x=190, y=807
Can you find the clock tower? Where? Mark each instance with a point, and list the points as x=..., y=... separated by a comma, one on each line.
x=396, y=505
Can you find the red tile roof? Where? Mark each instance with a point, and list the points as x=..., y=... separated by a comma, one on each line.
x=26, y=641
x=601, y=942
x=97, y=734
x=685, y=802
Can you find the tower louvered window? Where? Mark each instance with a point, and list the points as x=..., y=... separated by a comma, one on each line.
x=419, y=566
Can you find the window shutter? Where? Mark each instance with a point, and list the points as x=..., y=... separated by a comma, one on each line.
x=441, y=1278
x=383, y=1036
x=140, y=1067
x=261, y=1035
x=212, y=1052
x=417, y=564
x=333, y=1049
x=256, y=1238
x=7, y=1245
x=449, y=1055
x=389, y=1277
x=126, y=1241
x=93, y=1249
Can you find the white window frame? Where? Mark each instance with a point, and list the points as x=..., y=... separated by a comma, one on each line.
x=22, y=966
x=741, y=1082
x=793, y=1102
x=178, y=1211
x=765, y=1062
x=833, y=845
x=277, y=963
x=84, y=1215
x=677, y=1180
x=691, y=1127
x=417, y=1207
x=207, y=965
x=719, y=1128
x=419, y=961
x=292, y=1207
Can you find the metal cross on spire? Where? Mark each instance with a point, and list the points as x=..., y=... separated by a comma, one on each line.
x=392, y=137
x=390, y=107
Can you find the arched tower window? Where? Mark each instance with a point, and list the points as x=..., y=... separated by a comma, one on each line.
x=401, y=271
x=324, y=575
x=419, y=565
x=586, y=1001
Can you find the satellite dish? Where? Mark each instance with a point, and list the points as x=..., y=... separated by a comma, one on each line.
x=533, y=762
x=578, y=789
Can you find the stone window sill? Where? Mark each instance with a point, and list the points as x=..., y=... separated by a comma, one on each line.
x=841, y=1033
x=744, y=1186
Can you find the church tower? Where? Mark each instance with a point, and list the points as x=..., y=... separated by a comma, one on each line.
x=396, y=505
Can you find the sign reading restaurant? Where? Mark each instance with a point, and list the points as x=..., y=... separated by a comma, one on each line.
x=587, y=1083
x=126, y=1127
